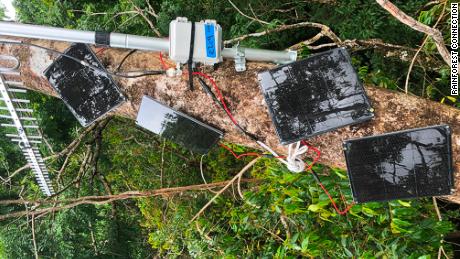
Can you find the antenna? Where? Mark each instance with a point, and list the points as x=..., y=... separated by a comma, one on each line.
x=18, y=113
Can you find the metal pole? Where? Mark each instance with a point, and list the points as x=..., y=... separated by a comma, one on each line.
x=117, y=40
x=262, y=55
x=120, y=40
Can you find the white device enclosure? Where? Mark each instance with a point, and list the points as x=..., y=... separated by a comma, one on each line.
x=207, y=45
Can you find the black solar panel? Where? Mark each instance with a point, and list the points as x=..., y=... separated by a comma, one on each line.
x=399, y=165
x=89, y=94
x=176, y=126
x=314, y=95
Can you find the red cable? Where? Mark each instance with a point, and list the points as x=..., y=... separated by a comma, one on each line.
x=163, y=63
x=238, y=156
x=318, y=153
x=343, y=212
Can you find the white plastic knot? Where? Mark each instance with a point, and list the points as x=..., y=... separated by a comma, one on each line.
x=296, y=166
x=293, y=161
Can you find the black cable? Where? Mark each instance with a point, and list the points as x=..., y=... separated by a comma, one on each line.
x=208, y=91
x=190, y=57
x=84, y=63
x=315, y=175
x=124, y=59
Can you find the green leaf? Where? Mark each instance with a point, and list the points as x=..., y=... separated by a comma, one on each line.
x=313, y=207
x=305, y=243
x=404, y=203
x=369, y=212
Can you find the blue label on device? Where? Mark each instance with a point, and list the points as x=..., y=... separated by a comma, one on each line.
x=210, y=40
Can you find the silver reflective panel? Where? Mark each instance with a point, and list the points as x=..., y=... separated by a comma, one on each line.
x=176, y=126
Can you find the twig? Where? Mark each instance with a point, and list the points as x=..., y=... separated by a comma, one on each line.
x=436, y=208
x=418, y=26
x=225, y=188
x=162, y=163
x=150, y=10
x=438, y=213
x=308, y=42
x=101, y=13
x=406, y=85
x=93, y=238
x=150, y=23
x=325, y=30
x=46, y=142
x=80, y=172
x=33, y=237
x=269, y=232
x=247, y=16
x=63, y=167
x=286, y=226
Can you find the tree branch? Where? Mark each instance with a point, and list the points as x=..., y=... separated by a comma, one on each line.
x=225, y=188
x=98, y=200
x=418, y=26
x=406, y=85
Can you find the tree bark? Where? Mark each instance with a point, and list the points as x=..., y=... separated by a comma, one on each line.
x=393, y=110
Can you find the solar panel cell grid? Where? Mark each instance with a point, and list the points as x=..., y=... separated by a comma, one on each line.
x=398, y=165
x=314, y=95
x=89, y=94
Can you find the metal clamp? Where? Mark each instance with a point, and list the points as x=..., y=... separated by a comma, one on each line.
x=240, y=58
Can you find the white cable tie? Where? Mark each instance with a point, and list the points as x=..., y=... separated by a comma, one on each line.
x=294, y=163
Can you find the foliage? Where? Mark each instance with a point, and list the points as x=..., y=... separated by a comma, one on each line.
x=282, y=215
x=2, y=12
x=252, y=228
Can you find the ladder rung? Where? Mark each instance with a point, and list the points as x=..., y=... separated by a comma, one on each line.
x=17, y=100
x=30, y=141
x=17, y=136
x=14, y=83
x=28, y=118
x=24, y=110
x=10, y=73
x=17, y=90
x=17, y=109
x=21, y=118
x=14, y=126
